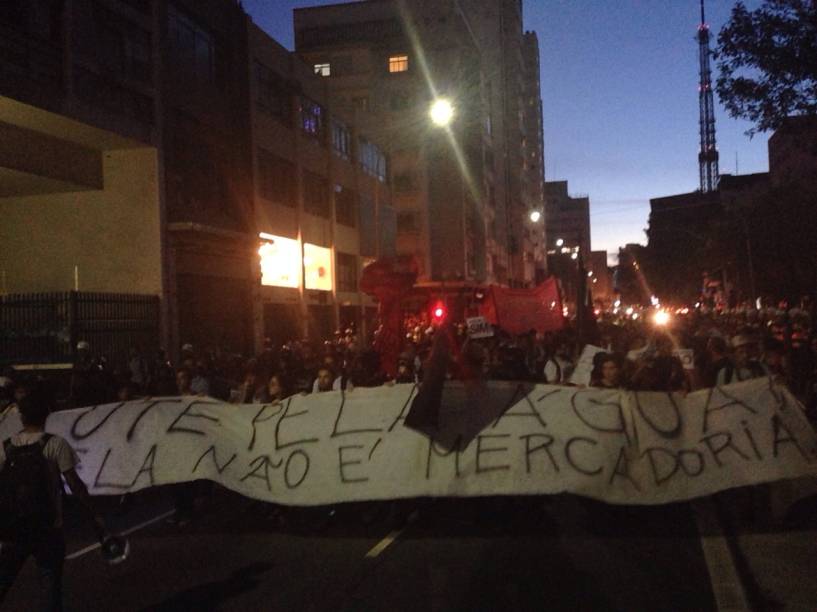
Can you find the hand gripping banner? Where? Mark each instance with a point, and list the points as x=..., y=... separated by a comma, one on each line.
x=617, y=446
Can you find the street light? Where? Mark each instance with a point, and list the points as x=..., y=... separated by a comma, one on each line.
x=535, y=215
x=560, y=242
x=441, y=112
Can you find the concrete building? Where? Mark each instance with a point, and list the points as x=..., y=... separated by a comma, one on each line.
x=80, y=166
x=567, y=219
x=320, y=181
x=458, y=191
x=136, y=157
x=533, y=179
x=600, y=278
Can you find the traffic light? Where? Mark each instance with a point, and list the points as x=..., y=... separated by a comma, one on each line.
x=439, y=312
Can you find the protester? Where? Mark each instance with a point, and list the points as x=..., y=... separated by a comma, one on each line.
x=744, y=365
x=278, y=388
x=252, y=390
x=559, y=366
x=32, y=466
x=606, y=371
x=658, y=369
x=716, y=358
x=326, y=380
x=184, y=493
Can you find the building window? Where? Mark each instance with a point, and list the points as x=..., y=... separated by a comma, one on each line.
x=276, y=179
x=404, y=182
x=272, y=94
x=341, y=139
x=346, y=271
x=398, y=63
x=316, y=194
x=361, y=102
x=280, y=261
x=191, y=46
x=317, y=267
x=345, y=208
x=387, y=230
x=372, y=160
x=323, y=70
x=399, y=101
x=368, y=226
x=312, y=118
x=407, y=222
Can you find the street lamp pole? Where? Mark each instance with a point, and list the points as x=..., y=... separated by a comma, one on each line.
x=751, y=265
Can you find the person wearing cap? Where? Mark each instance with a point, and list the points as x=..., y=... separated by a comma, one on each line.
x=743, y=365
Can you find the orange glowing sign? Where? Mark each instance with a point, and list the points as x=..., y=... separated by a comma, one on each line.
x=317, y=267
x=280, y=261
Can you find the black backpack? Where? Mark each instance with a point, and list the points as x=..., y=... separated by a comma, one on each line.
x=26, y=497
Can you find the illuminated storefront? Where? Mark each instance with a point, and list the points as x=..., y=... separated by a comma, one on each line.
x=317, y=267
x=280, y=261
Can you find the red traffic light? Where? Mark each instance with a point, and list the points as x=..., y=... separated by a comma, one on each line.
x=438, y=312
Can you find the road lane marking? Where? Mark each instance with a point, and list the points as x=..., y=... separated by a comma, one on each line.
x=727, y=587
x=383, y=544
x=130, y=530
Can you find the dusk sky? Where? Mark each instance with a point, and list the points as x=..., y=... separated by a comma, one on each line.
x=620, y=99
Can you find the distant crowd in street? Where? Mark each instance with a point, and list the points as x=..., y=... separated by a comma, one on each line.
x=632, y=353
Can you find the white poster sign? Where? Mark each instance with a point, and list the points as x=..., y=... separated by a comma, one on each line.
x=584, y=367
x=687, y=357
x=616, y=446
x=478, y=327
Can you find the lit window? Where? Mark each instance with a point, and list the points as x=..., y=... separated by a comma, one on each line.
x=317, y=267
x=323, y=70
x=280, y=261
x=398, y=63
x=312, y=117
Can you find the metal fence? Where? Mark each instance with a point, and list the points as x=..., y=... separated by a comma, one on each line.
x=45, y=327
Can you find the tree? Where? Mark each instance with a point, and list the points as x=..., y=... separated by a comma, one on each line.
x=767, y=60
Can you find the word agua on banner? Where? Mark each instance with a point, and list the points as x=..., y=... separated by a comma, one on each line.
x=616, y=446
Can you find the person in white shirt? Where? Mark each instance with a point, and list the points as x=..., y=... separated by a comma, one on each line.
x=32, y=501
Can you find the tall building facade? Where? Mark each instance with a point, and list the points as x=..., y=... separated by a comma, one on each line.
x=459, y=191
x=567, y=219
x=320, y=185
x=146, y=146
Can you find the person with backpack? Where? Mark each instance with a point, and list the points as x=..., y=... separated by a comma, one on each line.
x=32, y=466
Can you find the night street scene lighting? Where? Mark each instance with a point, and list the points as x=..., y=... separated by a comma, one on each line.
x=441, y=112
x=408, y=305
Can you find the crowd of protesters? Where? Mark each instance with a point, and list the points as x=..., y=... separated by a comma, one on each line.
x=635, y=354
x=632, y=350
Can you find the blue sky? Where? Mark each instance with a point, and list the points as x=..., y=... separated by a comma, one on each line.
x=620, y=101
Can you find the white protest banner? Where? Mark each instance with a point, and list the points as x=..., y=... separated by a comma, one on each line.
x=478, y=327
x=687, y=357
x=584, y=367
x=616, y=446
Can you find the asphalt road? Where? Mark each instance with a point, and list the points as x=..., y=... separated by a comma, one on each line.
x=550, y=553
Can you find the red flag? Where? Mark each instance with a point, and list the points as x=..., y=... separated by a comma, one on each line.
x=517, y=311
x=389, y=280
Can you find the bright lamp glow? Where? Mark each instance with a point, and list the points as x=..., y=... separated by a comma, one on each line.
x=560, y=242
x=441, y=112
x=574, y=256
x=661, y=318
x=535, y=215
